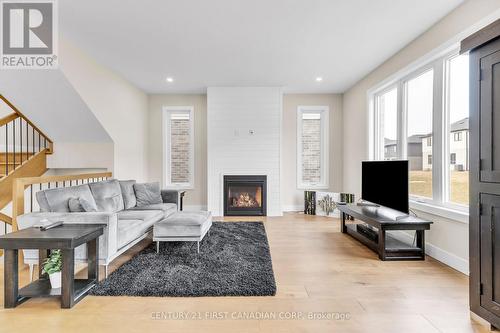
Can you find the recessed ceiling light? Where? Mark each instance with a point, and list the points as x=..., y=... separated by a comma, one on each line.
x=170, y=79
x=319, y=79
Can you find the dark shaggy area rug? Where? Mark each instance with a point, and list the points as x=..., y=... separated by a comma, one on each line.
x=234, y=260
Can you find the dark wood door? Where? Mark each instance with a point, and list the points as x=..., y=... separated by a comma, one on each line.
x=490, y=118
x=490, y=252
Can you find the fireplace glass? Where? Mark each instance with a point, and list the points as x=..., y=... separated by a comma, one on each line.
x=244, y=195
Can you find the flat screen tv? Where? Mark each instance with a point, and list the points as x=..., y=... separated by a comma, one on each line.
x=386, y=183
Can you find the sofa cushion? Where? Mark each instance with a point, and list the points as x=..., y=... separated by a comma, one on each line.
x=147, y=216
x=42, y=201
x=147, y=194
x=184, y=224
x=167, y=208
x=127, y=187
x=107, y=195
x=57, y=198
x=130, y=230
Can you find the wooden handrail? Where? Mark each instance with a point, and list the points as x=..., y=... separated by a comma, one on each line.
x=20, y=184
x=64, y=178
x=7, y=119
x=16, y=110
x=5, y=219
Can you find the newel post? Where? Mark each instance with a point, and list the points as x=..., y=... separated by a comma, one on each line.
x=17, y=201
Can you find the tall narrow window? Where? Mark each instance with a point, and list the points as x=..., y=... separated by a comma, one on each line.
x=419, y=111
x=178, y=147
x=312, y=147
x=457, y=90
x=387, y=124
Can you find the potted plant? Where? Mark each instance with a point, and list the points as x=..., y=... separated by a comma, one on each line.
x=52, y=266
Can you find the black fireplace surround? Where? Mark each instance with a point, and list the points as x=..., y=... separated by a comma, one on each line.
x=245, y=195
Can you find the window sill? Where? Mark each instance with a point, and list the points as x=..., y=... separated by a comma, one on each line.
x=446, y=212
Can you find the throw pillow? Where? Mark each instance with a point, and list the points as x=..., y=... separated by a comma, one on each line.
x=88, y=206
x=77, y=205
x=128, y=193
x=111, y=204
x=147, y=194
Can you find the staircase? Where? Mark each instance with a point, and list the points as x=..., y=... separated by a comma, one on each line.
x=23, y=152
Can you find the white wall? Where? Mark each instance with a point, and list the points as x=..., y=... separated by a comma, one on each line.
x=78, y=155
x=120, y=107
x=445, y=235
x=231, y=114
x=195, y=198
x=293, y=198
x=49, y=100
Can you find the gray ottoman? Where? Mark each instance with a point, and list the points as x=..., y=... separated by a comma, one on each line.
x=182, y=227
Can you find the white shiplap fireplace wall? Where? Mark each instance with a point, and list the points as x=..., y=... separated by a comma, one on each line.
x=244, y=138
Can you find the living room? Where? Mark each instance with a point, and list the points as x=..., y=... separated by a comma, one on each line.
x=250, y=166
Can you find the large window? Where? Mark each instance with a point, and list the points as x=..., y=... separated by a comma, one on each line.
x=419, y=110
x=387, y=120
x=429, y=125
x=312, y=147
x=457, y=127
x=178, y=147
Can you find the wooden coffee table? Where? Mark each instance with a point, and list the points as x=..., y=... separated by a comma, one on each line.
x=66, y=238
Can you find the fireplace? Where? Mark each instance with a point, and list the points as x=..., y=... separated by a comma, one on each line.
x=245, y=195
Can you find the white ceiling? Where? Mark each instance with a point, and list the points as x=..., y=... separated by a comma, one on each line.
x=202, y=43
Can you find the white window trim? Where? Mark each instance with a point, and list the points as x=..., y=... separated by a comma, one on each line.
x=325, y=124
x=167, y=147
x=440, y=143
x=378, y=144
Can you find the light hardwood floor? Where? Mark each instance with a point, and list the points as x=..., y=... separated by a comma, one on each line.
x=317, y=270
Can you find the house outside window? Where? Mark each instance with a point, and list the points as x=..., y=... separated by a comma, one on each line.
x=453, y=158
x=178, y=143
x=312, y=147
x=457, y=136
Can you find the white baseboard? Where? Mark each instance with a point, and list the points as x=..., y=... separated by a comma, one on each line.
x=293, y=208
x=437, y=253
x=194, y=207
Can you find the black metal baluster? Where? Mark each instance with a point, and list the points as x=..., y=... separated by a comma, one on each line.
x=6, y=149
x=48, y=184
x=14, y=143
x=27, y=141
x=33, y=144
x=39, y=142
x=20, y=140
x=31, y=198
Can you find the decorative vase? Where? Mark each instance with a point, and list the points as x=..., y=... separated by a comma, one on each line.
x=55, y=280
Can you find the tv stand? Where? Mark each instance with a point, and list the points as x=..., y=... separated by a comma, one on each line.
x=387, y=247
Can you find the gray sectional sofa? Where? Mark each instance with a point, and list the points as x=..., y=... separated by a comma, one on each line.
x=111, y=203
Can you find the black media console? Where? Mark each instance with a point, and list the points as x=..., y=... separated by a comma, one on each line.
x=379, y=219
